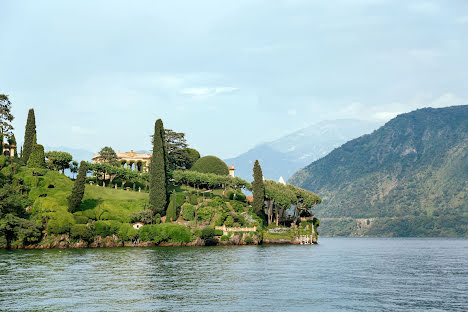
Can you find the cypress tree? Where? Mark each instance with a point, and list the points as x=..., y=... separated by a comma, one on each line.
x=258, y=189
x=171, y=214
x=29, y=136
x=74, y=200
x=158, y=170
x=37, y=158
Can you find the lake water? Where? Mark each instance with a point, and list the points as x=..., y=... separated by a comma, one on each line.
x=340, y=274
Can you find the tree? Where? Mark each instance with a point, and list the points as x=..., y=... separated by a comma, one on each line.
x=258, y=188
x=37, y=158
x=176, y=149
x=158, y=169
x=74, y=200
x=192, y=156
x=59, y=160
x=6, y=117
x=29, y=136
x=171, y=214
x=211, y=164
x=74, y=167
x=12, y=141
x=108, y=156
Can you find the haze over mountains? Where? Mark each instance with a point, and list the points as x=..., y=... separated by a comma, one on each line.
x=284, y=156
x=408, y=178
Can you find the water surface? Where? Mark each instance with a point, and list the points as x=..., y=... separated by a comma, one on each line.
x=340, y=274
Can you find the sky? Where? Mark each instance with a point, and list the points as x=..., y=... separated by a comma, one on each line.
x=229, y=74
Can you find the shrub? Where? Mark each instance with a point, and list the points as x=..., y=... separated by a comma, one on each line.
x=81, y=219
x=171, y=212
x=180, y=199
x=211, y=241
x=3, y=161
x=174, y=233
x=37, y=158
x=102, y=228
x=210, y=164
x=240, y=197
x=114, y=227
x=207, y=232
x=237, y=206
x=205, y=213
x=127, y=232
x=218, y=232
x=197, y=233
x=220, y=220
x=81, y=231
x=61, y=223
x=229, y=221
x=193, y=200
x=141, y=216
x=248, y=240
x=230, y=195
x=224, y=238
x=188, y=212
x=148, y=233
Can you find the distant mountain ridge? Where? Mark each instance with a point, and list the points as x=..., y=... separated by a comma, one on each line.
x=286, y=155
x=412, y=171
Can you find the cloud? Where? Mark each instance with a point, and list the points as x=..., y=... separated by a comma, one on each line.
x=448, y=99
x=206, y=92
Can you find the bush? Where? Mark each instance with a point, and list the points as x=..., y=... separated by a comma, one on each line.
x=207, y=232
x=248, y=240
x=193, y=200
x=211, y=241
x=148, y=233
x=114, y=227
x=127, y=232
x=210, y=164
x=205, y=213
x=229, y=221
x=188, y=212
x=197, y=233
x=220, y=220
x=240, y=197
x=218, y=232
x=224, y=238
x=81, y=219
x=3, y=161
x=141, y=216
x=230, y=195
x=237, y=206
x=81, y=231
x=171, y=212
x=61, y=223
x=102, y=228
x=173, y=233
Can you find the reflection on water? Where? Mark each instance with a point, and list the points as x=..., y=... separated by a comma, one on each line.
x=339, y=274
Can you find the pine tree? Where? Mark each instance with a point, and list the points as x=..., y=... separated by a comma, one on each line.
x=29, y=136
x=158, y=170
x=37, y=158
x=258, y=188
x=74, y=200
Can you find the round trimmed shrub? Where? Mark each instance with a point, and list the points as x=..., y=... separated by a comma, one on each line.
x=81, y=231
x=188, y=212
x=211, y=164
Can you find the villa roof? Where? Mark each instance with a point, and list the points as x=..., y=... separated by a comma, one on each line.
x=250, y=199
x=232, y=167
x=5, y=143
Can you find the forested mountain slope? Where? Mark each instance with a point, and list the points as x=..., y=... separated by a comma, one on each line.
x=415, y=167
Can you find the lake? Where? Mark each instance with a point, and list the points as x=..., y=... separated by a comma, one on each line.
x=339, y=274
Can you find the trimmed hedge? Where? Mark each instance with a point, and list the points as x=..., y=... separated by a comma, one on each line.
x=211, y=164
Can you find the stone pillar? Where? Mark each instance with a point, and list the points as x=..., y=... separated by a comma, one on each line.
x=139, y=189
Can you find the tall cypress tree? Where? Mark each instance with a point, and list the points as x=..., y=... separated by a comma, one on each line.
x=37, y=158
x=29, y=135
x=74, y=200
x=158, y=170
x=258, y=189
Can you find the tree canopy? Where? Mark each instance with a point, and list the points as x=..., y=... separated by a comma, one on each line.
x=108, y=155
x=57, y=160
x=29, y=136
x=211, y=164
x=6, y=117
x=158, y=170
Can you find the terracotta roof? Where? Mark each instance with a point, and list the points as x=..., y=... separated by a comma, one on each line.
x=249, y=198
x=231, y=168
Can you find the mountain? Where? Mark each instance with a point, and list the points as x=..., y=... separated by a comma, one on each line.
x=408, y=178
x=288, y=154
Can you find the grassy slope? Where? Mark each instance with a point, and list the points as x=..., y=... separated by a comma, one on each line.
x=115, y=204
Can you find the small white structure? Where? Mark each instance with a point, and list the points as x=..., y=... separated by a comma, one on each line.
x=231, y=170
x=137, y=225
x=281, y=180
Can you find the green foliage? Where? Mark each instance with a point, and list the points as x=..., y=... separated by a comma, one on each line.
x=108, y=156
x=144, y=216
x=60, y=223
x=74, y=200
x=171, y=213
x=6, y=117
x=37, y=158
x=209, y=180
x=158, y=170
x=81, y=231
x=224, y=238
x=127, y=232
x=192, y=156
x=248, y=240
x=57, y=160
x=258, y=189
x=167, y=232
x=210, y=164
x=205, y=213
x=188, y=212
x=414, y=166
x=18, y=231
x=193, y=200
x=218, y=232
x=207, y=232
x=81, y=220
x=102, y=228
x=29, y=135
x=3, y=161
